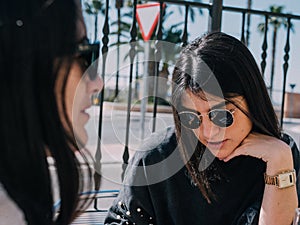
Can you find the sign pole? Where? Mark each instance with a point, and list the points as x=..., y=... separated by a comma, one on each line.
x=144, y=100
x=147, y=17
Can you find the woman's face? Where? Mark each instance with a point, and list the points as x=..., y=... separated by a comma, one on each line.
x=78, y=92
x=221, y=141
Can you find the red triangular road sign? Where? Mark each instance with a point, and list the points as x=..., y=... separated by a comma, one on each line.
x=147, y=16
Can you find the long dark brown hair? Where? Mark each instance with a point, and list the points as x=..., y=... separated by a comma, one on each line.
x=35, y=36
x=223, y=66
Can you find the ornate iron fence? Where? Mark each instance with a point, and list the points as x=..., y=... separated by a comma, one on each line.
x=215, y=18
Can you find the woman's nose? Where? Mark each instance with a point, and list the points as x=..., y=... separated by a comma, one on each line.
x=95, y=85
x=208, y=128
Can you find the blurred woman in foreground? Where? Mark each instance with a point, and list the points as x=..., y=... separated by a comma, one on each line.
x=43, y=56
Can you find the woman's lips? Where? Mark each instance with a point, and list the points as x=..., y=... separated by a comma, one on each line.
x=86, y=107
x=85, y=115
x=215, y=144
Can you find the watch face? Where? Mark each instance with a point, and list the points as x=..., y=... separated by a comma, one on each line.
x=286, y=179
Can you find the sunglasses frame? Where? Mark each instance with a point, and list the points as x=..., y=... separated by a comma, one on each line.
x=90, y=53
x=199, y=116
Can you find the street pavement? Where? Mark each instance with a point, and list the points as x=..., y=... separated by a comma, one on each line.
x=112, y=142
x=113, y=137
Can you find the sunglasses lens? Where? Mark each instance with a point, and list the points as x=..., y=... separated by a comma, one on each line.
x=221, y=117
x=89, y=54
x=189, y=120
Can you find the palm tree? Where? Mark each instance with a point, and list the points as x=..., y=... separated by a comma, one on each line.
x=122, y=32
x=94, y=7
x=118, y=5
x=249, y=6
x=169, y=54
x=192, y=11
x=276, y=23
x=171, y=34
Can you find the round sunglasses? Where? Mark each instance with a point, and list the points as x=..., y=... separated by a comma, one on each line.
x=219, y=117
x=87, y=54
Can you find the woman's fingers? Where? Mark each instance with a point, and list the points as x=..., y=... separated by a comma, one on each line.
x=257, y=145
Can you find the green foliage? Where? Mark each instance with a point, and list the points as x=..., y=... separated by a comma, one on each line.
x=94, y=7
x=275, y=22
x=171, y=34
x=192, y=12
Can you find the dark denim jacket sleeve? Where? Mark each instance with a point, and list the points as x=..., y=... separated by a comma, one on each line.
x=251, y=214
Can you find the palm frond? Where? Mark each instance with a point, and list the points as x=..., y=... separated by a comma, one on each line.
x=200, y=11
x=261, y=27
x=98, y=5
x=192, y=15
x=168, y=14
x=174, y=26
x=88, y=8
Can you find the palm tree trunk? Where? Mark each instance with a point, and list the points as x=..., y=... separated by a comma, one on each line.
x=273, y=60
x=163, y=84
x=151, y=71
x=249, y=6
x=96, y=28
x=118, y=52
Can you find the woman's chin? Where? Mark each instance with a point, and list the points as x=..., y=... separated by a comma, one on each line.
x=220, y=154
x=81, y=137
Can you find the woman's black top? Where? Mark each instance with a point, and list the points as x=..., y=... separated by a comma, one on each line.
x=158, y=189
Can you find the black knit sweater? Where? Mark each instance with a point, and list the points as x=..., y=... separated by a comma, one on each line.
x=158, y=189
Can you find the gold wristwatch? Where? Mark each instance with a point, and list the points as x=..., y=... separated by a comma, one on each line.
x=282, y=180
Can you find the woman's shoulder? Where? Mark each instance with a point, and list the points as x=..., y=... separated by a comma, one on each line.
x=157, y=146
x=159, y=139
x=156, y=160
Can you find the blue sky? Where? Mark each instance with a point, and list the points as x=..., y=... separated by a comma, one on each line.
x=231, y=24
x=291, y=6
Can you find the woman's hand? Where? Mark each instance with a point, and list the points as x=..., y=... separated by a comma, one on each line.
x=276, y=153
x=278, y=205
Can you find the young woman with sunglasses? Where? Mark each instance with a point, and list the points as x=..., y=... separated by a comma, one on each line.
x=227, y=161
x=44, y=97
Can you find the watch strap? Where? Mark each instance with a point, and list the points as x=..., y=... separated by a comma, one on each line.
x=281, y=180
